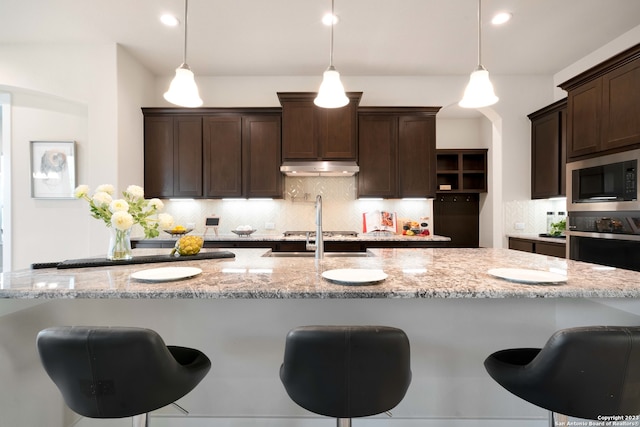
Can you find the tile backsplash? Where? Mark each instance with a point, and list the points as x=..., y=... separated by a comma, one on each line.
x=531, y=214
x=341, y=210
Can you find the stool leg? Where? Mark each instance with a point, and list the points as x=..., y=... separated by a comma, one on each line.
x=343, y=422
x=141, y=420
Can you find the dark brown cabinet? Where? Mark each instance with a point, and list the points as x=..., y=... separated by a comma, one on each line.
x=172, y=156
x=396, y=152
x=212, y=152
x=548, y=151
x=261, y=156
x=457, y=216
x=313, y=133
x=461, y=170
x=603, y=112
x=556, y=249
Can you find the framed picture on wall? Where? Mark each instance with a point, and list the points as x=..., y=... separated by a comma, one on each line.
x=53, y=169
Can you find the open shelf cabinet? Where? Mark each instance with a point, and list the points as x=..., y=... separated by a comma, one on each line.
x=461, y=171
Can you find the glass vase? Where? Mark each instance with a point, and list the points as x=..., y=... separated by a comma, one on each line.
x=119, y=244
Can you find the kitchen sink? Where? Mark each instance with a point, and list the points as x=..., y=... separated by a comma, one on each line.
x=312, y=254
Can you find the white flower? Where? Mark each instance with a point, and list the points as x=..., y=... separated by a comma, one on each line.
x=107, y=188
x=101, y=198
x=122, y=220
x=165, y=220
x=119, y=205
x=156, y=203
x=81, y=191
x=136, y=192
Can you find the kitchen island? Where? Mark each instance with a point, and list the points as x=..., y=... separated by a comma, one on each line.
x=239, y=310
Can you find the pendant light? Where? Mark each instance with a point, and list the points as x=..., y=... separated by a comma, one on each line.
x=479, y=92
x=183, y=90
x=331, y=93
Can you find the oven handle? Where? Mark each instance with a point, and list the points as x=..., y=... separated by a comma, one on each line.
x=613, y=236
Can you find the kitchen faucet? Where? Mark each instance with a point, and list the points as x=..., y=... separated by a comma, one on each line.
x=318, y=246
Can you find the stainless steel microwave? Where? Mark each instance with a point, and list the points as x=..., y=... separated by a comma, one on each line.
x=605, y=183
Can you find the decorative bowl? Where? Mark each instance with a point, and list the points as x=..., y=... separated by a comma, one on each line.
x=243, y=233
x=179, y=232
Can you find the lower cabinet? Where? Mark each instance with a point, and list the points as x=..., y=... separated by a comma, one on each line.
x=538, y=247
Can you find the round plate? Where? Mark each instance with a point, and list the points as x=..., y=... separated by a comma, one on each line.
x=354, y=276
x=166, y=274
x=523, y=275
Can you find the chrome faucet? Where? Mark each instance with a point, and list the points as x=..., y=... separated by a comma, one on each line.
x=318, y=245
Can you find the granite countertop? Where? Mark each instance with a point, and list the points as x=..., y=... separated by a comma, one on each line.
x=537, y=237
x=281, y=238
x=412, y=273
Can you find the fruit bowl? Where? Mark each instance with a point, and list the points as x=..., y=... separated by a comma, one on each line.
x=179, y=232
x=243, y=233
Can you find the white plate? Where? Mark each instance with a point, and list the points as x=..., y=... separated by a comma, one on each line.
x=523, y=275
x=354, y=276
x=165, y=274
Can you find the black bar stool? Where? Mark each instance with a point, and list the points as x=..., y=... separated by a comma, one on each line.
x=585, y=372
x=346, y=371
x=117, y=372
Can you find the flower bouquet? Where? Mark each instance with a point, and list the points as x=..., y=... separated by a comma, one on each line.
x=121, y=214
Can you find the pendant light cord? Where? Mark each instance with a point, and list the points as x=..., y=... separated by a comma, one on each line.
x=479, y=32
x=333, y=17
x=186, y=8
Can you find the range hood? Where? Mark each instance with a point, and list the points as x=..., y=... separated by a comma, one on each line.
x=320, y=168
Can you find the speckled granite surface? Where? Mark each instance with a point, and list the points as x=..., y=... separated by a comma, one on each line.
x=412, y=273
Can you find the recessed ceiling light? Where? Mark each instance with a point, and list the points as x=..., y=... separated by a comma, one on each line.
x=169, y=20
x=329, y=19
x=501, y=18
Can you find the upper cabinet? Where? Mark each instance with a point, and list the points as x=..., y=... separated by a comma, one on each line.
x=172, y=156
x=603, y=108
x=548, y=150
x=462, y=170
x=397, y=151
x=313, y=133
x=212, y=152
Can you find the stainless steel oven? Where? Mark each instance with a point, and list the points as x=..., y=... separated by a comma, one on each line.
x=610, y=238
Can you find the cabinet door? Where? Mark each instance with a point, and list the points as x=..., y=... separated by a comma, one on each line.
x=187, y=156
x=300, y=131
x=457, y=216
x=377, y=146
x=158, y=156
x=416, y=157
x=222, y=138
x=338, y=132
x=620, y=106
x=261, y=156
x=545, y=156
x=584, y=106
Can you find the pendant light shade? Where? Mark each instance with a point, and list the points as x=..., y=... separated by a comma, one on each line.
x=479, y=92
x=183, y=90
x=331, y=93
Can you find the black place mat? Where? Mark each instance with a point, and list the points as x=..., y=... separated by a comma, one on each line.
x=146, y=259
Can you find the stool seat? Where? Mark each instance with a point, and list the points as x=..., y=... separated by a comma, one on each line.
x=117, y=372
x=583, y=372
x=346, y=371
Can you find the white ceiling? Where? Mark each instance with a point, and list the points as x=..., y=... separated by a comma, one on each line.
x=373, y=37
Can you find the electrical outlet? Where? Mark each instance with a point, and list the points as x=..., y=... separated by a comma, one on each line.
x=519, y=225
x=269, y=226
